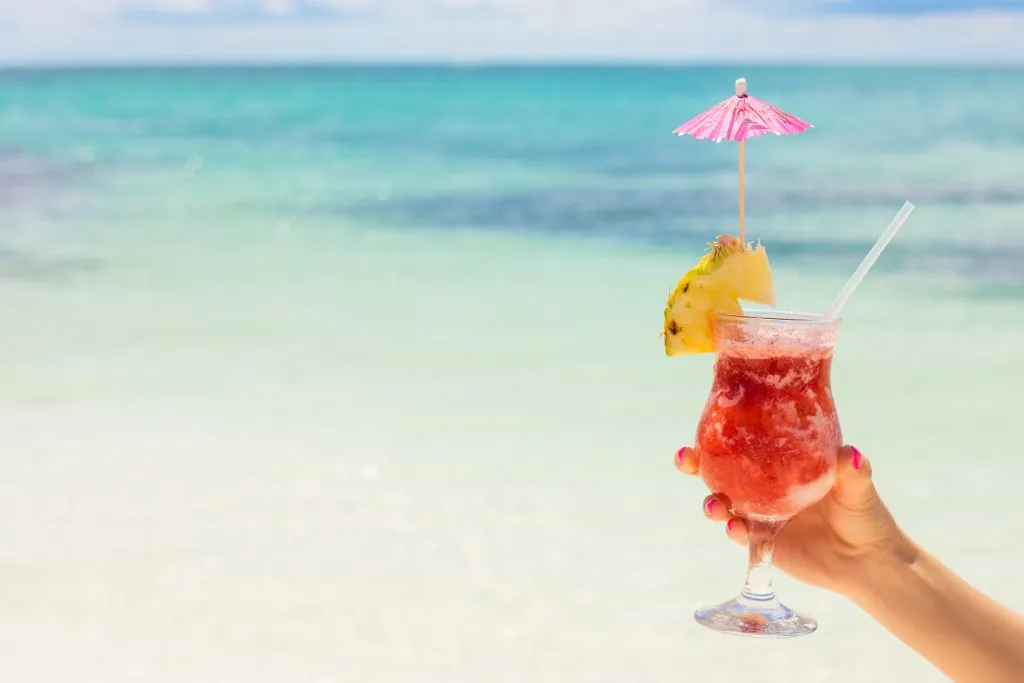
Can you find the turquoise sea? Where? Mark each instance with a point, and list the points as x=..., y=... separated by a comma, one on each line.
x=353, y=374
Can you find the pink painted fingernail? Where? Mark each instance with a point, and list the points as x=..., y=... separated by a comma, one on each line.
x=680, y=454
x=858, y=459
x=709, y=506
x=728, y=525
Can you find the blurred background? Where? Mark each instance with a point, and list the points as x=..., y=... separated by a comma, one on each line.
x=331, y=326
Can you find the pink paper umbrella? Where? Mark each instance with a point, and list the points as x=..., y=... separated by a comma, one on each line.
x=740, y=118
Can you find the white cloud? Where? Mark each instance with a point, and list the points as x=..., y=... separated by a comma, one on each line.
x=676, y=30
x=178, y=6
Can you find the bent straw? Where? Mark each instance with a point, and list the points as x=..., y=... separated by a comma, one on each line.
x=858, y=275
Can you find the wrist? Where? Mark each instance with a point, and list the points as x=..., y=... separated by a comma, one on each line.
x=874, y=573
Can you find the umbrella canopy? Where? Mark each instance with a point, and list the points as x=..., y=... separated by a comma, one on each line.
x=740, y=118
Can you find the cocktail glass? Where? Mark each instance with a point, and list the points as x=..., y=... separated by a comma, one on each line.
x=767, y=441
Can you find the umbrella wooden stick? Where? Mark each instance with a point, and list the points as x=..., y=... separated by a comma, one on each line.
x=743, y=146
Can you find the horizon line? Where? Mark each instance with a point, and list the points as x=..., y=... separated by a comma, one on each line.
x=497, y=62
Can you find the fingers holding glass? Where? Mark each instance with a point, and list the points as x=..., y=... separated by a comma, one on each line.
x=717, y=508
x=736, y=530
x=686, y=460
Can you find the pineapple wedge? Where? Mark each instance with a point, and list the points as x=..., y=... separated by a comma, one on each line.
x=730, y=272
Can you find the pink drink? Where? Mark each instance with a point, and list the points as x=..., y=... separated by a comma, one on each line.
x=770, y=433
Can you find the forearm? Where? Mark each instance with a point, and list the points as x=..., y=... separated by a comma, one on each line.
x=968, y=636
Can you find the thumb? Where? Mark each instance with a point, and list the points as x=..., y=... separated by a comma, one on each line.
x=854, y=489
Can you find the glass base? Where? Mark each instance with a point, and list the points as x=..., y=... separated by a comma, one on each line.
x=751, y=617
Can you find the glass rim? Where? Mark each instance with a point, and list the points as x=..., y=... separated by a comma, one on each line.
x=778, y=317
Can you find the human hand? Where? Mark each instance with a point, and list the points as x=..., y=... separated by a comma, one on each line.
x=829, y=544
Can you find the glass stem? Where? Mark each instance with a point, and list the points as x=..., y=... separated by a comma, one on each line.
x=757, y=591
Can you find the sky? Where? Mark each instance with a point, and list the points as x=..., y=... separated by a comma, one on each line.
x=206, y=31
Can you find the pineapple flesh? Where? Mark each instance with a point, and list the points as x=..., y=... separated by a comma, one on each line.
x=729, y=272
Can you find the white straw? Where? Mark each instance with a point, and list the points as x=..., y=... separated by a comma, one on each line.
x=869, y=260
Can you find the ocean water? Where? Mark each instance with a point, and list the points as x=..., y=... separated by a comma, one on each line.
x=353, y=374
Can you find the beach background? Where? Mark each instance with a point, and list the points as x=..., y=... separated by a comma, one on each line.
x=338, y=374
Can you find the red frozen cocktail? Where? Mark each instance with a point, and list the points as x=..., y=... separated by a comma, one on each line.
x=767, y=441
x=769, y=434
